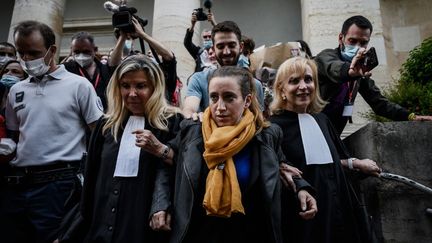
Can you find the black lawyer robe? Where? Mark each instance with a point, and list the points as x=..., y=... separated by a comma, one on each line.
x=335, y=220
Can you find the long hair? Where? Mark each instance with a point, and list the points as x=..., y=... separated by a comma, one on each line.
x=247, y=86
x=296, y=65
x=156, y=110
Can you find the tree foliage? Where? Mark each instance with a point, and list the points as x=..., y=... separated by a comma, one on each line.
x=413, y=90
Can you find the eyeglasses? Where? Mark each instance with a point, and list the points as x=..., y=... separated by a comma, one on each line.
x=206, y=36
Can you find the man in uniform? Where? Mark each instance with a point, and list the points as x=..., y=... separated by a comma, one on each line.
x=46, y=114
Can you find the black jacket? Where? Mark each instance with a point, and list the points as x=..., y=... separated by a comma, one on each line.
x=191, y=173
x=194, y=51
x=104, y=72
x=333, y=73
x=118, y=209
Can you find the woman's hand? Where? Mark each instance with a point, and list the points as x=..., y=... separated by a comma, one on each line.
x=147, y=141
x=161, y=221
x=308, y=205
x=367, y=166
x=287, y=173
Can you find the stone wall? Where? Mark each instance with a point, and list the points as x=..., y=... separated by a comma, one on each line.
x=403, y=148
x=405, y=25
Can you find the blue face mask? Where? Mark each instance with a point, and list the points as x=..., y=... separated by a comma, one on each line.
x=128, y=44
x=9, y=80
x=349, y=52
x=243, y=61
x=207, y=44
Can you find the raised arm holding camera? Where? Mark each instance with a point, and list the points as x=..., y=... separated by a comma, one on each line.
x=343, y=72
x=200, y=54
x=168, y=63
x=132, y=28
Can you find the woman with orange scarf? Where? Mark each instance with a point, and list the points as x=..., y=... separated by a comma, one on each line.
x=227, y=184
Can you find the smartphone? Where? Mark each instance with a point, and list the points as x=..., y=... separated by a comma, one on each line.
x=370, y=60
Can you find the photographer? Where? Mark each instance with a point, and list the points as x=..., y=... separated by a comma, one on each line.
x=200, y=54
x=342, y=75
x=168, y=62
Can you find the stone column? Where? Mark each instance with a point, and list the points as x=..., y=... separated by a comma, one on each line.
x=322, y=22
x=49, y=12
x=171, y=18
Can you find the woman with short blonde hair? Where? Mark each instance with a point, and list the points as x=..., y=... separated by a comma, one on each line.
x=312, y=145
x=296, y=65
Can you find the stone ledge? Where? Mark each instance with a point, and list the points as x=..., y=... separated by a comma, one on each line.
x=404, y=148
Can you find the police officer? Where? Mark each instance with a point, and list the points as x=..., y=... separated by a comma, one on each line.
x=46, y=114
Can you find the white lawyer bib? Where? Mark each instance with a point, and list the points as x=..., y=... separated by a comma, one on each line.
x=315, y=146
x=128, y=155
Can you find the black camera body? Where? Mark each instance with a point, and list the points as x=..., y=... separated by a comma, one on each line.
x=123, y=19
x=201, y=16
x=199, y=12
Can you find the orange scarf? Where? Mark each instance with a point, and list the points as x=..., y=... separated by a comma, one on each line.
x=223, y=195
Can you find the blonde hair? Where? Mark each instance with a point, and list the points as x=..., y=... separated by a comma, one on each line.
x=157, y=110
x=247, y=86
x=296, y=65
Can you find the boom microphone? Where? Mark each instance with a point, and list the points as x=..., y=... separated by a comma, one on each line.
x=111, y=7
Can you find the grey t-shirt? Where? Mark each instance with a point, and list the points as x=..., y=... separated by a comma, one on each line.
x=51, y=116
x=198, y=87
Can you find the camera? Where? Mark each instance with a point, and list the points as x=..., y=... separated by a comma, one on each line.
x=122, y=17
x=199, y=12
x=201, y=16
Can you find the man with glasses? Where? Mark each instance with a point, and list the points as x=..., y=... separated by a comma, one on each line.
x=341, y=75
x=46, y=114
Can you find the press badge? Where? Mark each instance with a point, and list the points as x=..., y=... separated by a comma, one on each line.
x=19, y=97
x=348, y=110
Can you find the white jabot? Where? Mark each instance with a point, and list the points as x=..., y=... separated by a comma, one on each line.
x=315, y=145
x=129, y=154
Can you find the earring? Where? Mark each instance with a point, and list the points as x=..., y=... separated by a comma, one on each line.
x=284, y=97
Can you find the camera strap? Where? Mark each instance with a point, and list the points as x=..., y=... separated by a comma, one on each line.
x=155, y=55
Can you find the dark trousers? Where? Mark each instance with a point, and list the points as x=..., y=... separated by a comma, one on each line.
x=33, y=213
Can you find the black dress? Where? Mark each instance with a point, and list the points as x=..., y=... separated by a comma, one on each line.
x=117, y=209
x=335, y=220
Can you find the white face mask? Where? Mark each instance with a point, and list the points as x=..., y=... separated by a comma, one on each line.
x=83, y=60
x=37, y=67
x=5, y=59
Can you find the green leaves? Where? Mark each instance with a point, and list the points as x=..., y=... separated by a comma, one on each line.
x=414, y=88
x=418, y=66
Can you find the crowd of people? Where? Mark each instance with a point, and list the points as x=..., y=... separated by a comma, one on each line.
x=99, y=149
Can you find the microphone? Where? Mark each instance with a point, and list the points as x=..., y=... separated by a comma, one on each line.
x=208, y=4
x=111, y=7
